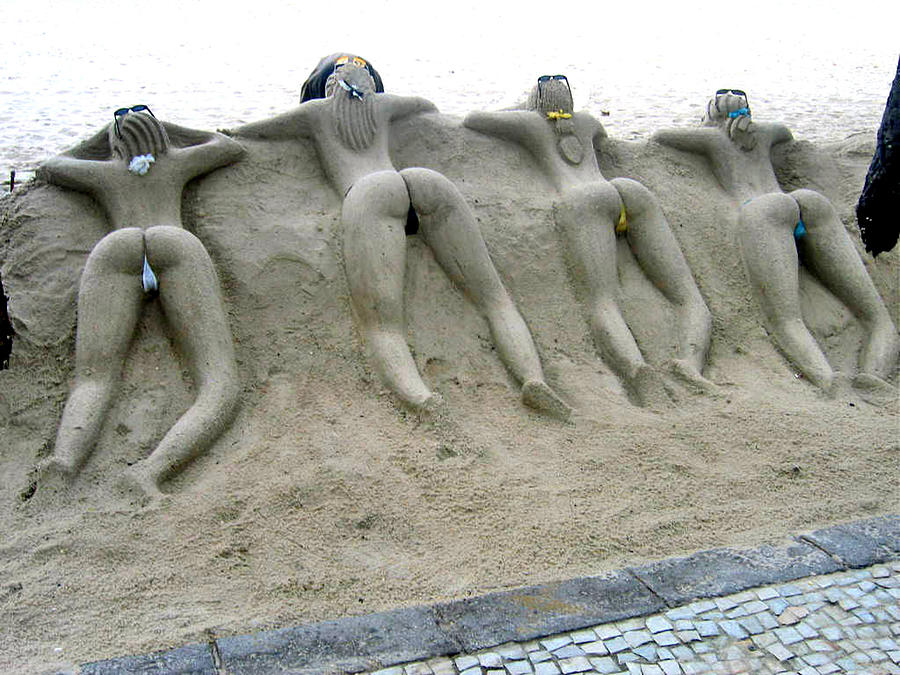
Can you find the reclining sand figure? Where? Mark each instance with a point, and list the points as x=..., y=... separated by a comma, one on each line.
x=137, y=170
x=349, y=122
x=590, y=210
x=776, y=230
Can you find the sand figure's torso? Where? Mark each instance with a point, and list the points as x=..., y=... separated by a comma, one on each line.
x=344, y=164
x=745, y=174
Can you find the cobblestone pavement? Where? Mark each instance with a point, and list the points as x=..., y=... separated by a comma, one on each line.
x=848, y=622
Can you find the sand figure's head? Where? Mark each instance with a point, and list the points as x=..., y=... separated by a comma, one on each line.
x=551, y=93
x=135, y=132
x=315, y=85
x=351, y=89
x=729, y=109
x=552, y=97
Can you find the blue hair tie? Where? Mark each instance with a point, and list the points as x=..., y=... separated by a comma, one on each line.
x=740, y=112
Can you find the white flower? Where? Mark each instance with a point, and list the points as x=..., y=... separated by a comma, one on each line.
x=140, y=164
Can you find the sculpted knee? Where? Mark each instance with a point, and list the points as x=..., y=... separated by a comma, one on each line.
x=167, y=246
x=119, y=251
x=429, y=190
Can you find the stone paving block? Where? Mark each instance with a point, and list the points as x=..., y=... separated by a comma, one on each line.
x=646, y=652
x=658, y=624
x=616, y=645
x=466, y=662
x=666, y=639
x=472, y=671
x=519, y=668
x=604, y=665
x=540, y=655
x=587, y=635
x=636, y=638
x=546, y=668
x=596, y=648
x=568, y=652
x=192, y=659
x=512, y=651
x=419, y=669
x=670, y=667
x=751, y=625
x=862, y=543
x=353, y=643
x=724, y=571
x=396, y=670
x=779, y=651
x=490, y=660
x=536, y=611
x=734, y=629
x=577, y=664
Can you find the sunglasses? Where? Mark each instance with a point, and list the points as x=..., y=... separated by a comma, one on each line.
x=121, y=112
x=355, y=60
x=736, y=92
x=547, y=78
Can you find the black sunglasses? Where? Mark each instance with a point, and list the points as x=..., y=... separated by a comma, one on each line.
x=736, y=92
x=546, y=78
x=121, y=112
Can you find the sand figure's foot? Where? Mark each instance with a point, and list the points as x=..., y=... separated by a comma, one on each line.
x=55, y=474
x=872, y=389
x=138, y=483
x=649, y=388
x=841, y=385
x=688, y=374
x=538, y=395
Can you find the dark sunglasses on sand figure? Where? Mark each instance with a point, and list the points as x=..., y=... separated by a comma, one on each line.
x=543, y=79
x=121, y=112
x=736, y=92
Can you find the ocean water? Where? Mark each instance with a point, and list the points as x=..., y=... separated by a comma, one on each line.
x=823, y=68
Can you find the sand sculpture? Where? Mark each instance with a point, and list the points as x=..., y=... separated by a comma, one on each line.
x=776, y=230
x=349, y=122
x=590, y=211
x=137, y=169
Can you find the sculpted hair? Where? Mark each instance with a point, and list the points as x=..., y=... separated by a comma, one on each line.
x=354, y=118
x=139, y=134
x=314, y=87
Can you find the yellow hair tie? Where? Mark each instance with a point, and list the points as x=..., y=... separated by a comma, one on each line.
x=558, y=115
x=622, y=225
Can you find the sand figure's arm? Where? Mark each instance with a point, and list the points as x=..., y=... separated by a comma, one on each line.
x=292, y=124
x=700, y=141
x=405, y=106
x=599, y=134
x=778, y=133
x=510, y=125
x=200, y=152
x=83, y=168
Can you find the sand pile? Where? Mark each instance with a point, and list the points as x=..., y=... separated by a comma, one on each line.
x=326, y=497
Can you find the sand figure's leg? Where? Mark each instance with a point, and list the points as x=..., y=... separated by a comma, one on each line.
x=766, y=234
x=373, y=217
x=587, y=217
x=109, y=301
x=660, y=256
x=448, y=226
x=192, y=304
x=830, y=255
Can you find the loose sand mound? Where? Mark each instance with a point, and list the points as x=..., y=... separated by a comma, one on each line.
x=327, y=498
